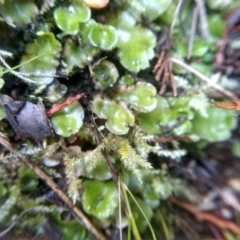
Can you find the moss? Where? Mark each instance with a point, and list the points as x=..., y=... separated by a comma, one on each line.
x=19, y=12
x=50, y=47
x=68, y=121
x=118, y=116
x=68, y=18
x=108, y=135
x=100, y=199
x=105, y=75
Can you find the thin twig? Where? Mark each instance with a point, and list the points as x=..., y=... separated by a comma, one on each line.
x=192, y=32
x=6, y=144
x=203, y=19
x=110, y=166
x=176, y=14
x=204, y=78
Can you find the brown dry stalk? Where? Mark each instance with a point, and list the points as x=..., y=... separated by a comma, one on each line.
x=163, y=68
x=203, y=216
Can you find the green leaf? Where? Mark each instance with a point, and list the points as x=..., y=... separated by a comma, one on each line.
x=118, y=115
x=70, y=227
x=126, y=80
x=69, y=120
x=75, y=56
x=162, y=187
x=180, y=107
x=2, y=113
x=149, y=10
x=136, y=52
x=103, y=36
x=100, y=199
x=99, y=172
x=55, y=91
x=24, y=171
x=45, y=44
x=167, y=17
x=136, y=44
x=19, y=12
x=151, y=122
x=183, y=129
x=68, y=19
x=216, y=127
x=105, y=75
x=141, y=97
x=1, y=83
x=3, y=190
x=216, y=25
x=150, y=197
x=138, y=216
x=219, y=5
x=29, y=180
x=200, y=48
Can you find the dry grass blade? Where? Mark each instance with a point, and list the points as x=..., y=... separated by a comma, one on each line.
x=203, y=78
